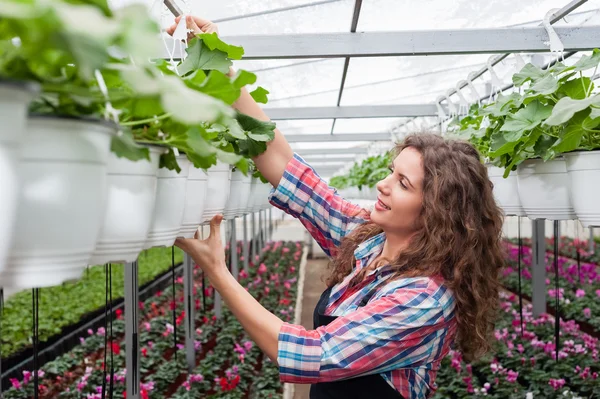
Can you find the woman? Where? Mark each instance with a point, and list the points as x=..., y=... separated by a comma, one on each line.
x=410, y=279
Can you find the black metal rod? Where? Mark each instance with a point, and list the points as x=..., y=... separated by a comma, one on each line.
x=174, y=303
x=112, y=360
x=556, y=287
x=104, y=366
x=520, y=247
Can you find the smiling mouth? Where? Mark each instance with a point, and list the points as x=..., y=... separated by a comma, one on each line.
x=384, y=206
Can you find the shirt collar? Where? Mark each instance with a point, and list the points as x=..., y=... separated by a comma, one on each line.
x=373, y=245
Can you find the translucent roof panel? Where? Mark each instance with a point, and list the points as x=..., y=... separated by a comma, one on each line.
x=366, y=125
x=302, y=83
x=324, y=16
x=310, y=126
x=395, y=15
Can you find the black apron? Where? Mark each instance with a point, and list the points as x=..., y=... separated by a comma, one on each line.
x=366, y=387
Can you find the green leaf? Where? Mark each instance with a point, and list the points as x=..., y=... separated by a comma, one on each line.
x=243, y=78
x=264, y=130
x=260, y=95
x=219, y=85
x=227, y=157
x=595, y=113
x=527, y=73
x=124, y=146
x=546, y=85
x=577, y=89
x=588, y=61
x=169, y=161
x=572, y=134
x=566, y=107
x=503, y=105
x=243, y=165
x=201, y=57
x=213, y=42
x=527, y=118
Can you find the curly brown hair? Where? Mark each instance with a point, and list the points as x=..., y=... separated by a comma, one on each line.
x=459, y=237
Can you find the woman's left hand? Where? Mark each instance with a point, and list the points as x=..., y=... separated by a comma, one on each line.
x=209, y=254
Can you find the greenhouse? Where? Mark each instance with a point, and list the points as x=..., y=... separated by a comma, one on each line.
x=299, y=199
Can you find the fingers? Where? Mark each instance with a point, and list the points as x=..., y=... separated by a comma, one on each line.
x=192, y=25
x=215, y=226
x=171, y=29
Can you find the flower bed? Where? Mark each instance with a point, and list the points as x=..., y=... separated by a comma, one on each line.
x=228, y=363
x=579, y=291
x=569, y=247
x=67, y=304
x=525, y=366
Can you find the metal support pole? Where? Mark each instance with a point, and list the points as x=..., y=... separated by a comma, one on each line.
x=218, y=299
x=190, y=330
x=539, y=267
x=271, y=227
x=234, y=254
x=261, y=243
x=591, y=240
x=245, y=253
x=131, y=330
x=253, y=235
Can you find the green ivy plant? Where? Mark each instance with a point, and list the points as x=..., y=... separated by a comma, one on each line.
x=365, y=174
x=556, y=111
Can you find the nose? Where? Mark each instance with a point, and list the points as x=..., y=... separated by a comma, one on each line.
x=383, y=187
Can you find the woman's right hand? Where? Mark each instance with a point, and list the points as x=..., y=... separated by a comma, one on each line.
x=195, y=25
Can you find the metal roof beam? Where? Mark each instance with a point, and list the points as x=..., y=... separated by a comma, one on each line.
x=371, y=111
x=319, y=138
x=412, y=43
x=321, y=159
x=332, y=151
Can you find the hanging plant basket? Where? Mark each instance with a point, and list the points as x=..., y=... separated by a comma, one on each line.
x=14, y=99
x=238, y=195
x=254, y=182
x=195, y=200
x=265, y=191
x=544, y=189
x=170, y=204
x=583, y=168
x=129, y=208
x=217, y=192
x=506, y=191
x=62, y=173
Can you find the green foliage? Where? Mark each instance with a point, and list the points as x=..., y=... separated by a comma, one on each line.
x=365, y=174
x=91, y=62
x=556, y=112
x=66, y=304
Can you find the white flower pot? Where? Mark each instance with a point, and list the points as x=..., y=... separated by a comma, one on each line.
x=251, y=196
x=129, y=208
x=62, y=172
x=238, y=195
x=170, y=204
x=506, y=191
x=544, y=189
x=195, y=200
x=217, y=192
x=266, y=191
x=583, y=169
x=14, y=99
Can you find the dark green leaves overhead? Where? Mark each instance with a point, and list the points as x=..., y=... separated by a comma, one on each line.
x=201, y=57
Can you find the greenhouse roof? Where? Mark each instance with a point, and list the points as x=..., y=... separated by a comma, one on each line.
x=345, y=73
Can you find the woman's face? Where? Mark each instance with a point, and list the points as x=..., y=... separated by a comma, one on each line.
x=400, y=196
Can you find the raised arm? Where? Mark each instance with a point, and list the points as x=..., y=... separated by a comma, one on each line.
x=273, y=161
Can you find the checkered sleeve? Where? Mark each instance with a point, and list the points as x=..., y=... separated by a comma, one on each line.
x=303, y=194
x=406, y=329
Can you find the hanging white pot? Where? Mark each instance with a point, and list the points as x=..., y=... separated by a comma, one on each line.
x=266, y=191
x=583, y=168
x=170, y=204
x=195, y=201
x=14, y=99
x=217, y=192
x=544, y=189
x=238, y=195
x=506, y=191
x=62, y=172
x=129, y=208
x=251, y=195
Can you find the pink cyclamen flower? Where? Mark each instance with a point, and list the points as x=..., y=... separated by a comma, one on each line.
x=556, y=383
x=580, y=293
x=262, y=268
x=512, y=376
x=587, y=312
x=15, y=383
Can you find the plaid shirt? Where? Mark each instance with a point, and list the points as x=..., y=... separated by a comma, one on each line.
x=402, y=333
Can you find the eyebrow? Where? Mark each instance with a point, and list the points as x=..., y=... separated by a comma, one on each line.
x=391, y=166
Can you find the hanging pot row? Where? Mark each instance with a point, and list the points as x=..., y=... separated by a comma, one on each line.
x=68, y=202
x=564, y=188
